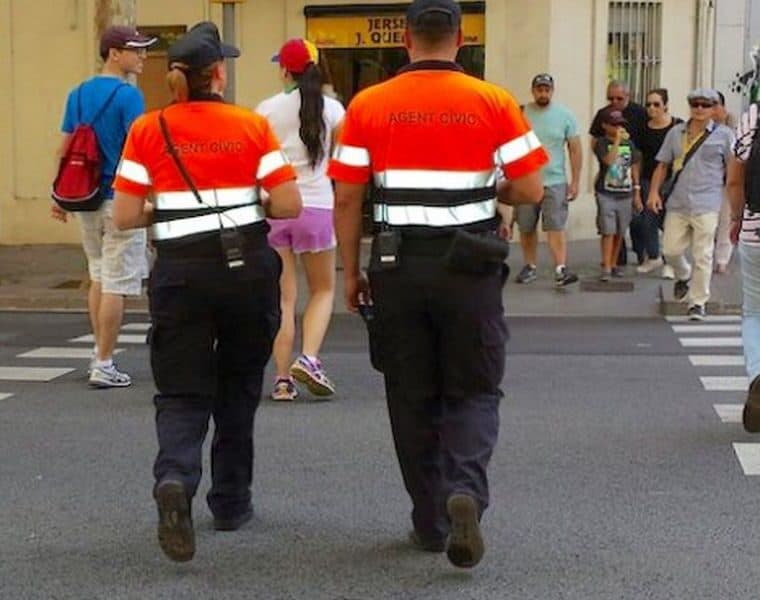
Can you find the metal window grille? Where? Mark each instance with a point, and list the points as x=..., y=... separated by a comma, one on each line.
x=634, y=45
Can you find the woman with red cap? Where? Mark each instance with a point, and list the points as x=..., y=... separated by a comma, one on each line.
x=304, y=120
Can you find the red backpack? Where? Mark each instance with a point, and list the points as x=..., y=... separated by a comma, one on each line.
x=77, y=186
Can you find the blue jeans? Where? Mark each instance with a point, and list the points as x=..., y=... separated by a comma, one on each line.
x=750, y=265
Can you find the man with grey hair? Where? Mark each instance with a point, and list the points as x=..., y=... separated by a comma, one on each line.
x=697, y=153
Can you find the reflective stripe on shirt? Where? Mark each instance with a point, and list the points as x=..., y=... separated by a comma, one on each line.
x=432, y=180
x=352, y=156
x=516, y=149
x=133, y=171
x=435, y=216
x=270, y=162
x=222, y=197
x=234, y=217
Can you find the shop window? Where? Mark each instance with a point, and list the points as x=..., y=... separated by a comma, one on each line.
x=634, y=45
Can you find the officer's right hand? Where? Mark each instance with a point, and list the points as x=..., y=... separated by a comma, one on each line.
x=57, y=213
x=356, y=292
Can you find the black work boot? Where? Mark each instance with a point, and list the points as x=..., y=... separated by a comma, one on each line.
x=175, y=523
x=465, y=548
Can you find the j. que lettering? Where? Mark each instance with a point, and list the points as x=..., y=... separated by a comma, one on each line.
x=386, y=30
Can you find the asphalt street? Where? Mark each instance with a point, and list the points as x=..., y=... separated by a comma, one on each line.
x=615, y=477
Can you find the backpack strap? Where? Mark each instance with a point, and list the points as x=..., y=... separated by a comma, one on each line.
x=105, y=104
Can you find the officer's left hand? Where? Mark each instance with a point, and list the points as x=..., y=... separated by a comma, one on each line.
x=356, y=292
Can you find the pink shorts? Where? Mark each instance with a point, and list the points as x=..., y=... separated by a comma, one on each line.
x=311, y=231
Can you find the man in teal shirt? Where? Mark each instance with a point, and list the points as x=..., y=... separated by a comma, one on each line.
x=556, y=128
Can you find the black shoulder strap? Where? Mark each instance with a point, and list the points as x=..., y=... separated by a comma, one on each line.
x=103, y=108
x=173, y=153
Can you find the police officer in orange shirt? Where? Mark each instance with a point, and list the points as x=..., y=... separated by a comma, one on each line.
x=214, y=292
x=431, y=140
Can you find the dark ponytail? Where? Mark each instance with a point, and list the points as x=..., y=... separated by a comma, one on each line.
x=313, y=128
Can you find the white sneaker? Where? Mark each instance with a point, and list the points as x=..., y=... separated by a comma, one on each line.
x=650, y=265
x=108, y=377
x=668, y=273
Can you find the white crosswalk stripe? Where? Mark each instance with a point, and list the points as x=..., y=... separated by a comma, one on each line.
x=749, y=457
x=729, y=413
x=32, y=373
x=725, y=384
x=62, y=352
x=716, y=360
x=708, y=328
x=708, y=342
x=5, y=396
x=126, y=338
x=135, y=327
x=708, y=319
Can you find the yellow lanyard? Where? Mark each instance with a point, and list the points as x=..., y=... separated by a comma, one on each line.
x=686, y=145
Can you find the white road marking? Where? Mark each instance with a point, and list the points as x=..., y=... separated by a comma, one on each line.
x=123, y=339
x=749, y=457
x=716, y=360
x=725, y=384
x=708, y=319
x=707, y=342
x=4, y=396
x=135, y=327
x=61, y=352
x=32, y=373
x=729, y=413
x=708, y=328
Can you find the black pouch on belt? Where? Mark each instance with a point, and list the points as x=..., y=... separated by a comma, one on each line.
x=475, y=254
x=367, y=312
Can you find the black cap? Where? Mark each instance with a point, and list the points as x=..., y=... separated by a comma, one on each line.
x=201, y=46
x=419, y=8
x=543, y=79
x=612, y=116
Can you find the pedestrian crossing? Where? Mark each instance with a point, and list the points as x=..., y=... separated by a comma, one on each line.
x=61, y=360
x=730, y=382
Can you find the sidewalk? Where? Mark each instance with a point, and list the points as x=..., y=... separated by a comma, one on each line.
x=52, y=278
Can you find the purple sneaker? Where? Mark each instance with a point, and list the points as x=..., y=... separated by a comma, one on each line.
x=284, y=390
x=311, y=374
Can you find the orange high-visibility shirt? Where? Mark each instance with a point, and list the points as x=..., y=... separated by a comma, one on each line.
x=432, y=138
x=228, y=152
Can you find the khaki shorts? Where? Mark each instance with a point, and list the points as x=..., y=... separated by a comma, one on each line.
x=116, y=259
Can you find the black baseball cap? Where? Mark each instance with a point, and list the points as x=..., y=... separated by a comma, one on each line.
x=124, y=37
x=418, y=8
x=612, y=116
x=543, y=79
x=201, y=46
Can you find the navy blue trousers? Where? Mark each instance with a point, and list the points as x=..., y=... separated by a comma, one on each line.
x=443, y=350
x=212, y=335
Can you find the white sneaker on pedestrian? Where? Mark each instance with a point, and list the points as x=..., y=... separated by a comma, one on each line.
x=650, y=265
x=668, y=272
x=108, y=377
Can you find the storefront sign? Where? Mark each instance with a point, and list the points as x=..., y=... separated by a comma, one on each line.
x=379, y=31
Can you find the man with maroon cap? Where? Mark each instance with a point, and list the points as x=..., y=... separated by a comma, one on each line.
x=115, y=259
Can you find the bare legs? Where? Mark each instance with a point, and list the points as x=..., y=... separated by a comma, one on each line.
x=320, y=276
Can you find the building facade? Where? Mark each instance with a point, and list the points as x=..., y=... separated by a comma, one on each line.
x=47, y=47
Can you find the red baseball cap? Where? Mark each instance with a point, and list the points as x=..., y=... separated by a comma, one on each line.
x=124, y=37
x=296, y=54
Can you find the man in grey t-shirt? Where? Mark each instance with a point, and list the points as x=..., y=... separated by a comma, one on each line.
x=694, y=202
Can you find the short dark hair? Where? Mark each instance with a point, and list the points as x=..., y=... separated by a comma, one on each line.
x=662, y=93
x=432, y=28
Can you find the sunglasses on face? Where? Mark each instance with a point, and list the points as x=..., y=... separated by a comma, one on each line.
x=655, y=104
x=613, y=98
x=138, y=51
x=701, y=104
